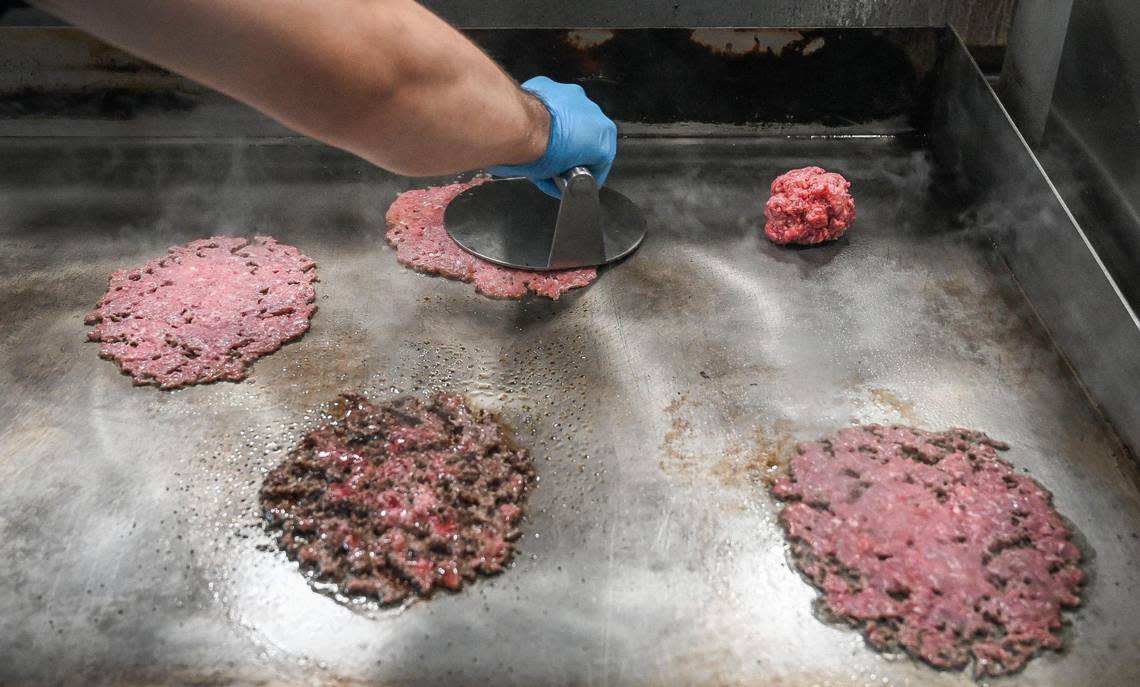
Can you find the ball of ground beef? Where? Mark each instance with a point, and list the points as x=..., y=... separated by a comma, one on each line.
x=808, y=206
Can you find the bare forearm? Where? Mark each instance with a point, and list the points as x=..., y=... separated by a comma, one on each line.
x=384, y=79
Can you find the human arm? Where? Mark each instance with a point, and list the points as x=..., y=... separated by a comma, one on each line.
x=384, y=79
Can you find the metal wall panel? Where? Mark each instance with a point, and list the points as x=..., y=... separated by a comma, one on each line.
x=1029, y=74
x=980, y=22
x=1091, y=142
x=1077, y=98
x=1054, y=256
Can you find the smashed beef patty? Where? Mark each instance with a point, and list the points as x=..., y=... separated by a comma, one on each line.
x=204, y=311
x=931, y=543
x=808, y=205
x=415, y=230
x=393, y=499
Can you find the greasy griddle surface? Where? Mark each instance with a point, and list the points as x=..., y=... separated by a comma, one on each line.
x=129, y=540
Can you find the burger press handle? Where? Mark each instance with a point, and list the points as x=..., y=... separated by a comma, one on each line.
x=578, y=237
x=511, y=222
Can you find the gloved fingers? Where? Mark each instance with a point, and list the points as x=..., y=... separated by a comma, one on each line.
x=601, y=171
x=538, y=83
x=548, y=187
x=580, y=134
x=507, y=170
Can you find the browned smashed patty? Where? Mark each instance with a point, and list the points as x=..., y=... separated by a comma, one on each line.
x=392, y=499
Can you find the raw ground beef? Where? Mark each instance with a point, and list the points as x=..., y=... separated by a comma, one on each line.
x=807, y=206
x=204, y=311
x=931, y=543
x=415, y=229
x=393, y=499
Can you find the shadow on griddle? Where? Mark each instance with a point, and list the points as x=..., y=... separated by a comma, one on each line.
x=809, y=259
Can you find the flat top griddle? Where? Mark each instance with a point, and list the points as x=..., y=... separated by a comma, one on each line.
x=129, y=514
x=654, y=402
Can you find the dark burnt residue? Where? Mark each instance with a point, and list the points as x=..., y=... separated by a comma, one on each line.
x=828, y=76
x=833, y=77
x=92, y=103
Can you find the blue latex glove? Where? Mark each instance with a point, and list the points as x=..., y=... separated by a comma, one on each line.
x=580, y=134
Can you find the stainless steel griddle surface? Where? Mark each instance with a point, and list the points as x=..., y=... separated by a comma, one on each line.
x=131, y=550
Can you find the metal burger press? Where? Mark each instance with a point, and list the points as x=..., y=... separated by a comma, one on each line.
x=511, y=222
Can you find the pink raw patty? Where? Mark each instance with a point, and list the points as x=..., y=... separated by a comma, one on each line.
x=415, y=229
x=932, y=544
x=204, y=311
